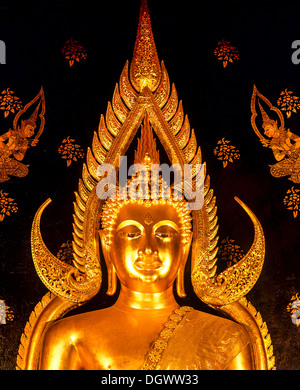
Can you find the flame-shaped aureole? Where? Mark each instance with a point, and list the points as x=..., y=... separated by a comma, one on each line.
x=256, y=97
x=39, y=112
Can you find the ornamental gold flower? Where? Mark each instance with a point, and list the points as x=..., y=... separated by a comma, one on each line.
x=230, y=252
x=226, y=52
x=65, y=253
x=7, y=205
x=9, y=314
x=292, y=200
x=288, y=102
x=9, y=102
x=226, y=152
x=73, y=51
x=70, y=151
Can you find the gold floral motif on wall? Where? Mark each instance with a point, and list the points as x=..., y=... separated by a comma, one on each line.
x=226, y=152
x=292, y=200
x=65, y=253
x=9, y=314
x=225, y=52
x=288, y=102
x=27, y=127
x=230, y=252
x=7, y=205
x=9, y=102
x=70, y=151
x=73, y=51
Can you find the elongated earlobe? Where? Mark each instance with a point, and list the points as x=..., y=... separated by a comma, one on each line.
x=180, y=282
x=180, y=273
x=111, y=272
x=112, y=280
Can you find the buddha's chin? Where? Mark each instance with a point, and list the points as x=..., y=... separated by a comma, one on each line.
x=148, y=278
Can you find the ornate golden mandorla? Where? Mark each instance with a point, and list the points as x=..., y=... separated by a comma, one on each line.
x=144, y=89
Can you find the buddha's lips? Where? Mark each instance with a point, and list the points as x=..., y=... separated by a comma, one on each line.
x=151, y=264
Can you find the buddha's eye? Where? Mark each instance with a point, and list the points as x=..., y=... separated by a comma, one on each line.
x=165, y=232
x=129, y=232
x=164, y=235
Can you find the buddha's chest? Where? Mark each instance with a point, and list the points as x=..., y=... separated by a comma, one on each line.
x=124, y=349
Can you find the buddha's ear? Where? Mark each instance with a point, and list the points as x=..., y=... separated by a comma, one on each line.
x=104, y=238
x=187, y=243
x=111, y=272
x=180, y=274
x=105, y=243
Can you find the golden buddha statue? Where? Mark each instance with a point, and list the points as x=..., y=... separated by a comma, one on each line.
x=146, y=238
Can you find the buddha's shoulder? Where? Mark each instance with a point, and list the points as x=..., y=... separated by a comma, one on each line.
x=75, y=323
x=218, y=327
x=205, y=317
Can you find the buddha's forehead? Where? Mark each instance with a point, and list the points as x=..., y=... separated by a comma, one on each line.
x=143, y=213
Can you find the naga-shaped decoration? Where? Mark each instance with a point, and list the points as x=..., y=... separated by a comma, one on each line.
x=144, y=94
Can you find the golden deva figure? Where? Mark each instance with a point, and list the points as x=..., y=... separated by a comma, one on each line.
x=146, y=243
x=24, y=134
x=285, y=145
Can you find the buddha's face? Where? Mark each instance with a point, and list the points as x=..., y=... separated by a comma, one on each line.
x=146, y=247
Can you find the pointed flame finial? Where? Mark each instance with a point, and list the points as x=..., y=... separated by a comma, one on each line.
x=146, y=152
x=145, y=70
x=267, y=121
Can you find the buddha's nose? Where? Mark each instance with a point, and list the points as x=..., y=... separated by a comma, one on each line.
x=148, y=251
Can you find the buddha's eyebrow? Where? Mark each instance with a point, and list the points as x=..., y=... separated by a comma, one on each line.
x=129, y=222
x=166, y=222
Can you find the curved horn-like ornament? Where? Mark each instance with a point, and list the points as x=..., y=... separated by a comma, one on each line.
x=235, y=282
x=61, y=278
x=242, y=276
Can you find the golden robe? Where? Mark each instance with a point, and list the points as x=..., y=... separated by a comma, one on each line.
x=204, y=342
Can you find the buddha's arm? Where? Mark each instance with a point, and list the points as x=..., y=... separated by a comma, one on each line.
x=243, y=361
x=58, y=352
